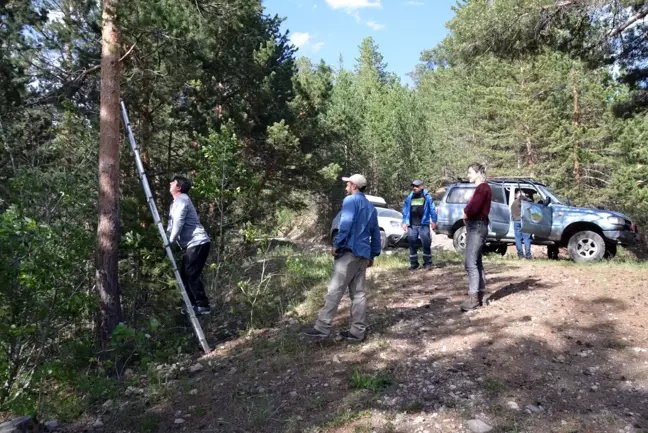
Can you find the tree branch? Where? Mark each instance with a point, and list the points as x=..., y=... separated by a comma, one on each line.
x=97, y=67
x=617, y=31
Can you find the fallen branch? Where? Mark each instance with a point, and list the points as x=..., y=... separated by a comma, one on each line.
x=617, y=31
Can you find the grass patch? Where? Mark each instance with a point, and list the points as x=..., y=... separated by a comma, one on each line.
x=150, y=422
x=372, y=382
x=345, y=417
x=493, y=385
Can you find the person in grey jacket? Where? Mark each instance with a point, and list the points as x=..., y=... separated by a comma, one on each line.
x=184, y=228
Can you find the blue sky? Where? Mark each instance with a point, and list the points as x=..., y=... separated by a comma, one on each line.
x=401, y=28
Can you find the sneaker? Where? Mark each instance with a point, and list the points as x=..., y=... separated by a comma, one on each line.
x=347, y=335
x=198, y=311
x=202, y=310
x=314, y=332
x=472, y=302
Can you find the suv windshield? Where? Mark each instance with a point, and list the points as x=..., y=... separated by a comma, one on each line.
x=389, y=213
x=551, y=195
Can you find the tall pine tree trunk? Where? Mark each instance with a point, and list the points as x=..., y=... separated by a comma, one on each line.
x=109, y=142
x=577, y=146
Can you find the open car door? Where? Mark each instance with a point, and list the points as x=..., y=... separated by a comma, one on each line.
x=536, y=219
x=500, y=214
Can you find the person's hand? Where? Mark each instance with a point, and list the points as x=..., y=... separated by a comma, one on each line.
x=433, y=226
x=404, y=227
x=370, y=263
x=465, y=217
x=334, y=252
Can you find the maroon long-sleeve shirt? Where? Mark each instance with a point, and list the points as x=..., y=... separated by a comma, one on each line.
x=479, y=205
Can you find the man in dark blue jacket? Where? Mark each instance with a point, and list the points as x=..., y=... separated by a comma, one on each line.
x=419, y=216
x=356, y=245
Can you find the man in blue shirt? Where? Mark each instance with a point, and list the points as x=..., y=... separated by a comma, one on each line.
x=356, y=245
x=419, y=216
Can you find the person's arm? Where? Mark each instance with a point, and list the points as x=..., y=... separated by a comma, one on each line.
x=170, y=221
x=433, y=214
x=178, y=216
x=476, y=203
x=374, y=230
x=346, y=219
x=406, y=212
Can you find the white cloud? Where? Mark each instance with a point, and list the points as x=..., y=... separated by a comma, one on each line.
x=374, y=25
x=415, y=3
x=299, y=39
x=355, y=15
x=317, y=46
x=353, y=4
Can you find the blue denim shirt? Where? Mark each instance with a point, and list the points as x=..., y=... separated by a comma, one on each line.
x=358, y=231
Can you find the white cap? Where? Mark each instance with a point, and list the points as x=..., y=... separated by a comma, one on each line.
x=357, y=179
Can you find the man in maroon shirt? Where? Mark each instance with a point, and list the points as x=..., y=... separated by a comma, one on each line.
x=476, y=222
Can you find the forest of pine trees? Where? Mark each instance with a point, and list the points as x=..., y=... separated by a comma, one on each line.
x=216, y=92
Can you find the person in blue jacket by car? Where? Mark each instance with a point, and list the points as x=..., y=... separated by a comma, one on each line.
x=419, y=216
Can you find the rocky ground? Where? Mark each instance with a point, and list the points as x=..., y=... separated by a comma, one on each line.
x=559, y=348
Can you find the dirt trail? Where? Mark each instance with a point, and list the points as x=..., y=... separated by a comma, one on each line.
x=560, y=348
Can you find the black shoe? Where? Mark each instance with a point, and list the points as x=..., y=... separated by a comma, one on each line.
x=427, y=267
x=347, y=335
x=313, y=332
x=472, y=302
x=413, y=268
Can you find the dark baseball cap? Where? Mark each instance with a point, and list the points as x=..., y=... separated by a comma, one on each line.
x=417, y=182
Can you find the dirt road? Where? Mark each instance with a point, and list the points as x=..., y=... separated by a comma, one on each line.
x=559, y=348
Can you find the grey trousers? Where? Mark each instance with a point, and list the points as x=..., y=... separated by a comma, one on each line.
x=348, y=271
x=476, y=232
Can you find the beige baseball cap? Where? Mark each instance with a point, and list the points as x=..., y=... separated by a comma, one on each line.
x=357, y=179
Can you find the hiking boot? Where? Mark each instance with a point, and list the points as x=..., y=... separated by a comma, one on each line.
x=313, y=332
x=472, y=302
x=347, y=335
x=413, y=268
x=427, y=267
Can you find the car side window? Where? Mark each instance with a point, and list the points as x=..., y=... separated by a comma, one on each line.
x=460, y=195
x=498, y=194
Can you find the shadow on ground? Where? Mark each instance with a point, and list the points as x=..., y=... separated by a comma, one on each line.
x=549, y=353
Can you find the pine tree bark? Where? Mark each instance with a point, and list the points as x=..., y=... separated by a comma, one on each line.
x=108, y=206
x=577, y=147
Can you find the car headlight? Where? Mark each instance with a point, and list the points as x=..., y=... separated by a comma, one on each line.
x=395, y=223
x=616, y=221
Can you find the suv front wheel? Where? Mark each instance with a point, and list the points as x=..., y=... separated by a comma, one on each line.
x=459, y=239
x=586, y=246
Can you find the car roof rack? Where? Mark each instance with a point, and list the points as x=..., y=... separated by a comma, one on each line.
x=518, y=179
x=508, y=179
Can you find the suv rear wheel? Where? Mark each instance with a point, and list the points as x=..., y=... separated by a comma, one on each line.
x=459, y=239
x=586, y=246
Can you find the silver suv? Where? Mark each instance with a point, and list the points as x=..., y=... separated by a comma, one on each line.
x=589, y=234
x=390, y=222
